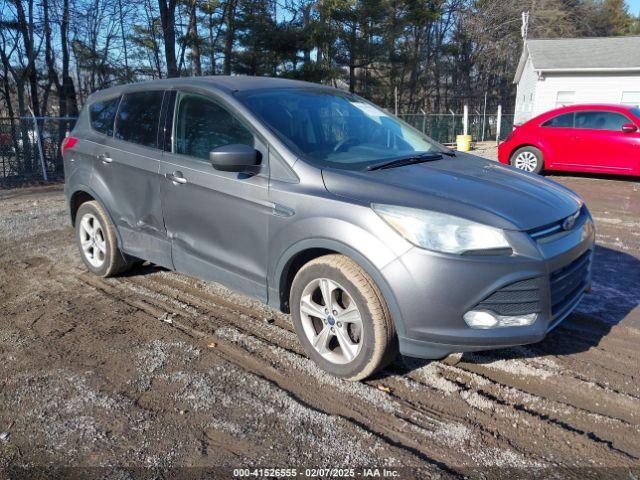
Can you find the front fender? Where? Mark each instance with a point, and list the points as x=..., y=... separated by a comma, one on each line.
x=367, y=250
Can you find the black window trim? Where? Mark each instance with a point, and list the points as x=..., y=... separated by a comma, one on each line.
x=165, y=131
x=102, y=100
x=115, y=122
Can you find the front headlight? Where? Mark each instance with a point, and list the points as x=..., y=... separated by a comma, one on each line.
x=442, y=232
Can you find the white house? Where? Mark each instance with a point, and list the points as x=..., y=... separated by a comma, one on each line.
x=558, y=72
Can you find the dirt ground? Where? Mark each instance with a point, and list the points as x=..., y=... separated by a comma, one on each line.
x=155, y=370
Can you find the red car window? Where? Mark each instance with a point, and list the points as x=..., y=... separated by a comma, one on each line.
x=565, y=121
x=601, y=120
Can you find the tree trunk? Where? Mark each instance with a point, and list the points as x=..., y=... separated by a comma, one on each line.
x=124, y=41
x=168, y=21
x=229, y=37
x=194, y=40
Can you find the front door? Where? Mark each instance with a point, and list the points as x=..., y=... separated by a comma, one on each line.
x=217, y=221
x=557, y=141
x=601, y=145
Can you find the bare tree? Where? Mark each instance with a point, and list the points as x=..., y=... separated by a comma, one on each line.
x=168, y=21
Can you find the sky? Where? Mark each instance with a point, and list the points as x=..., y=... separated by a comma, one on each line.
x=634, y=6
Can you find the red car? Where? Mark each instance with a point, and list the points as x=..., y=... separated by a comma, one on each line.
x=579, y=138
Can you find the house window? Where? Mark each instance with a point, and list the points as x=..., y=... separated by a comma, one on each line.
x=565, y=98
x=631, y=98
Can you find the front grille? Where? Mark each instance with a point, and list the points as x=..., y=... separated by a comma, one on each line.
x=519, y=298
x=556, y=227
x=568, y=283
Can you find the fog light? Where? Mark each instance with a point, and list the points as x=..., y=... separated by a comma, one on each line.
x=477, y=319
x=484, y=319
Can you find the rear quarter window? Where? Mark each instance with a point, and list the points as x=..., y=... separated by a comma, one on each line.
x=561, y=121
x=103, y=114
x=138, y=117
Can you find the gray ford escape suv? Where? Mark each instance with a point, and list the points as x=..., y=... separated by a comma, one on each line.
x=374, y=237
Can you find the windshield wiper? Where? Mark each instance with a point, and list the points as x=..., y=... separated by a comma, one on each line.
x=400, y=162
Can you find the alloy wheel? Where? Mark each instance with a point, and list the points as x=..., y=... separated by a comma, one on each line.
x=526, y=161
x=92, y=240
x=331, y=321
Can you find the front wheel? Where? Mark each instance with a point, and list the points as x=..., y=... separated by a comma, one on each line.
x=341, y=318
x=528, y=159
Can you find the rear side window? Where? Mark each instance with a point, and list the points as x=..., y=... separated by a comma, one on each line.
x=202, y=125
x=561, y=121
x=601, y=120
x=138, y=118
x=103, y=114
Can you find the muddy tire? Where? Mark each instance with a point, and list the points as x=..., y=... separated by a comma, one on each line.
x=97, y=241
x=527, y=158
x=341, y=318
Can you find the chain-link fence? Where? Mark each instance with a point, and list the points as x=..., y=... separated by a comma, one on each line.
x=30, y=148
x=444, y=127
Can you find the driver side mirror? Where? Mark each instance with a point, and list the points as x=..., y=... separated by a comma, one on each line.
x=629, y=128
x=235, y=158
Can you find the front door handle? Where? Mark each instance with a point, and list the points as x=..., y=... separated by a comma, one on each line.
x=176, y=178
x=105, y=158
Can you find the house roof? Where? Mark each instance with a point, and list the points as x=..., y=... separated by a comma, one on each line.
x=596, y=54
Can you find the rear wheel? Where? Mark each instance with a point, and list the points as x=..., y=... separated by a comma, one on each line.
x=341, y=318
x=97, y=241
x=528, y=159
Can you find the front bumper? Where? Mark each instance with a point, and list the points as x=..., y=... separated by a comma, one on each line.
x=433, y=291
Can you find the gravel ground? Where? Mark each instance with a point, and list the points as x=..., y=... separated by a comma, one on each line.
x=155, y=370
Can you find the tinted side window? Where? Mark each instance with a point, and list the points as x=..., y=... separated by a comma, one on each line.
x=102, y=115
x=565, y=121
x=601, y=120
x=138, y=117
x=202, y=125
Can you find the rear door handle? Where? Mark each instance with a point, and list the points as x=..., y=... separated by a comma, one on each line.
x=105, y=158
x=176, y=178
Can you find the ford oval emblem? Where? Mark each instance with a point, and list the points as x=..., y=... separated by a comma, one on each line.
x=569, y=222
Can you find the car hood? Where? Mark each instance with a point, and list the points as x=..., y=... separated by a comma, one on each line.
x=464, y=185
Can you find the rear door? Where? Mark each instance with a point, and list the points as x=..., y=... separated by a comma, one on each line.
x=217, y=221
x=601, y=145
x=80, y=165
x=128, y=164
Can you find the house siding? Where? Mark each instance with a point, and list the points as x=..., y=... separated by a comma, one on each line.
x=526, y=93
x=588, y=88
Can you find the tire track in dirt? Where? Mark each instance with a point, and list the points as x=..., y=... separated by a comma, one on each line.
x=195, y=293
x=575, y=435
x=192, y=298
x=482, y=393
x=484, y=404
x=412, y=429
x=305, y=391
x=554, y=385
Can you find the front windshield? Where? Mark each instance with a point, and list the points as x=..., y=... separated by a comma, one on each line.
x=337, y=129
